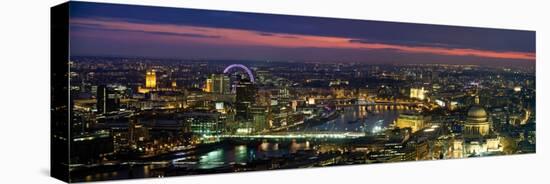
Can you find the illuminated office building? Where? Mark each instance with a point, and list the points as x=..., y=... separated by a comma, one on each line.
x=219, y=84
x=411, y=120
x=201, y=123
x=259, y=118
x=457, y=149
x=138, y=134
x=208, y=86
x=174, y=84
x=418, y=93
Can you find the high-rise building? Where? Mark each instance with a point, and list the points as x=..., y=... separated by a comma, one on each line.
x=138, y=133
x=151, y=79
x=245, y=98
x=208, y=87
x=107, y=99
x=259, y=117
x=219, y=84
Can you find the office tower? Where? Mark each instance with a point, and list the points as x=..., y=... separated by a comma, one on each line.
x=219, y=84
x=245, y=97
x=107, y=99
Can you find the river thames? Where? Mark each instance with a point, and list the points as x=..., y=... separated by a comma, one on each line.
x=256, y=155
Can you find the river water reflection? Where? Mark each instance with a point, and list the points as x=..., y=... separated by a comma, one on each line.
x=358, y=119
x=351, y=119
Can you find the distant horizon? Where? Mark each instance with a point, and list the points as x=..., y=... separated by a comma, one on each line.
x=513, y=64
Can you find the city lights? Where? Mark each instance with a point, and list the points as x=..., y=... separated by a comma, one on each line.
x=180, y=97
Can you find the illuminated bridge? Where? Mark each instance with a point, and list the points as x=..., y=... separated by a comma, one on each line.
x=293, y=135
x=379, y=103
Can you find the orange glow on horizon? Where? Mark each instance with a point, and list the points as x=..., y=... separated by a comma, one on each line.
x=239, y=37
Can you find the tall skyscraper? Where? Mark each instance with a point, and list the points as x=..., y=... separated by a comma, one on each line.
x=259, y=118
x=245, y=98
x=107, y=99
x=219, y=84
x=151, y=79
x=208, y=87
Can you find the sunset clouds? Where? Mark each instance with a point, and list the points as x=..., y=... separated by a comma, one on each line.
x=178, y=33
x=170, y=33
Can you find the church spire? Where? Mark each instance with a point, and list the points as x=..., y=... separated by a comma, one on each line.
x=476, y=96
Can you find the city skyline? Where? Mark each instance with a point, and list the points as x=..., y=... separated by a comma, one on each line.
x=155, y=92
x=101, y=30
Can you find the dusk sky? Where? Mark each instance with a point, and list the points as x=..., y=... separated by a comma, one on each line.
x=141, y=31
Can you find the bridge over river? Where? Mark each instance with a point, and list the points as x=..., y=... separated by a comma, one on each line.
x=293, y=135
